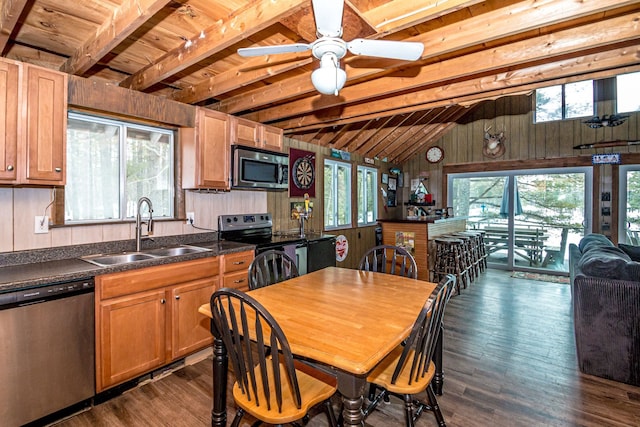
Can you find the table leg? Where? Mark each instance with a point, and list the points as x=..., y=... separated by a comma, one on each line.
x=351, y=388
x=438, y=378
x=220, y=371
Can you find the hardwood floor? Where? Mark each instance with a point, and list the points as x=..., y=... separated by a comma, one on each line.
x=509, y=361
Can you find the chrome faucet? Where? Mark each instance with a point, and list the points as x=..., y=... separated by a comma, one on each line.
x=139, y=221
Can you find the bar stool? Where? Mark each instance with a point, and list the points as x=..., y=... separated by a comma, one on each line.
x=469, y=253
x=480, y=252
x=449, y=259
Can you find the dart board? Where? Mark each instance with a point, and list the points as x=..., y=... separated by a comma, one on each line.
x=303, y=173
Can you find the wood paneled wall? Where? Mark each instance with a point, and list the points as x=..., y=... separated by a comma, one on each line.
x=530, y=145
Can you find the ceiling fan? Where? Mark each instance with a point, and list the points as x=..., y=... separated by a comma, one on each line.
x=606, y=121
x=329, y=48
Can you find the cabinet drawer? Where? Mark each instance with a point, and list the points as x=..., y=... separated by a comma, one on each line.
x=238, y=280
x=144, y=279
x=237, y=262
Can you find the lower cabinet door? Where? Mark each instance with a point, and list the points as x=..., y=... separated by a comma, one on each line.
x=190, y=329
x=132, y=337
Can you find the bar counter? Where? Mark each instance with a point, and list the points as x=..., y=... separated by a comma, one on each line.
x=414, y=235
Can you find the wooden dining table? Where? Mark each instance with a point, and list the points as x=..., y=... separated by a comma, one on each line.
x=346, y=320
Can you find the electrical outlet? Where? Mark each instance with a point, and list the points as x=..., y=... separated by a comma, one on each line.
x=41, y=225
x=191, y=218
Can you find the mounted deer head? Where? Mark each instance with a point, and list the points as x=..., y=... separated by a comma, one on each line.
x=493, y=146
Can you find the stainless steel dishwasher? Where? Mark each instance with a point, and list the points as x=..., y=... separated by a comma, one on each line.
x=46, y=350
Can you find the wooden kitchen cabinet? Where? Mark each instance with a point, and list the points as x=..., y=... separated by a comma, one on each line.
x=206, y=151
x=148, y=317
x=131, y=337
x=253, y=134
x=10, y=77
x=236, y=270
x=34, y=102
x=190, y=329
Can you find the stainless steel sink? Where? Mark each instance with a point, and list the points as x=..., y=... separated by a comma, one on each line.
x=116, y=259
x=129, y=257
x=175, y=251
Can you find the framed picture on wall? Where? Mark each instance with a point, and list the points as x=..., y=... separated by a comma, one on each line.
x=392, y=184
x=385, y=178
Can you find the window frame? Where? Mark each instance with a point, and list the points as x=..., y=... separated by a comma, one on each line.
x=362, y=187
x=124, y=126
x=348, y=196
x=563, y=100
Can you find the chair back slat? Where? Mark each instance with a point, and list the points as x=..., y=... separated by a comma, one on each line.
x=389, y=259
x=271, y=267
x=420, y=345
x=256, y=350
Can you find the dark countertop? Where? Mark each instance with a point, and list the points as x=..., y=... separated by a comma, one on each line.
x=26, y=269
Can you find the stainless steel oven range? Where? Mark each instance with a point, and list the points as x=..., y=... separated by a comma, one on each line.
x=257, y=229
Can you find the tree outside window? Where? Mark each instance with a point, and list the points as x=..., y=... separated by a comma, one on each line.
x=337, y=194
x=567, y=101
x=112, y=164
x=367, y=195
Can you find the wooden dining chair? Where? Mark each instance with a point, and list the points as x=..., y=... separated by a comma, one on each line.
x=408, y=369
x=389, y=259
x=271, y=267
x=275, y=390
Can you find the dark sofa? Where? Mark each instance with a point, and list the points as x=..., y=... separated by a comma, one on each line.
x=606, y=306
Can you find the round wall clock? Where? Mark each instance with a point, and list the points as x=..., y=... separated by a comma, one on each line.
x=435, y=154
x=303, y=173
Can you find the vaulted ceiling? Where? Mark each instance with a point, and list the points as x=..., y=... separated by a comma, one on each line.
x=185, y=50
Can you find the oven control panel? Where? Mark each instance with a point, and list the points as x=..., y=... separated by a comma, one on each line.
x=244, y=221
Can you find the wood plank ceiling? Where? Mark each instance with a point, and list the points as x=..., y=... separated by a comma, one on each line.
x=186, y=50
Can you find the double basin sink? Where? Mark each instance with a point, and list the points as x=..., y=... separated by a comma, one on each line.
x=108, y=260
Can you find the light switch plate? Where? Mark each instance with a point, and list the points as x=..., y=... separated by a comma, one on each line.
x=41, y=225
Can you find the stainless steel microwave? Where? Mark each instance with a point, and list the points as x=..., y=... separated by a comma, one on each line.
x=253, y=168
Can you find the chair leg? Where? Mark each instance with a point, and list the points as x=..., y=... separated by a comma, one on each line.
x=331, y=417
x=433, y=402
x=238, y=417
x=372, y=392
x=408, y=410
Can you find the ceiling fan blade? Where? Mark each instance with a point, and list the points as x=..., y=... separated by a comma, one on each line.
x=408, y=51
x=328, y=15
x=270, y=50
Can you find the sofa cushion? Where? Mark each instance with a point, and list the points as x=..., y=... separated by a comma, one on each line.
x=607, y=262
x=631, y=250
x=594, y=240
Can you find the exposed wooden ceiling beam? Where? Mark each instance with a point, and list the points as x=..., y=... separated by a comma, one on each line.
x=125, y=20
x=495, y=25
x=375, y=147
x=236, y=27
x=400, y=14
x=398, y=122
x=10, y=11
x=563, y=43
x=430, y=132
x=429, y=116
x=250, y=72
x=374, y=127
x=474, y=90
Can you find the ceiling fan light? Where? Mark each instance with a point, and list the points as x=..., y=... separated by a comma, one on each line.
x=329, y=78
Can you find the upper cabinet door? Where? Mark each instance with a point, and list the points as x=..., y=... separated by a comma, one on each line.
x=45, y=111
x=245, y=132
x=214, y=150
x=9, y=101
x=272, y=138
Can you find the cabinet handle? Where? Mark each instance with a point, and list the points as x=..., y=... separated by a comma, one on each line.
x=10, y=168
x=177, y=296
x=239, y=281
x=58, y=169
x=238, y=263
x=162, y=301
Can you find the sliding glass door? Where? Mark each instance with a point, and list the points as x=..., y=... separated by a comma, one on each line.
x=629, y=209
x=529, y=217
